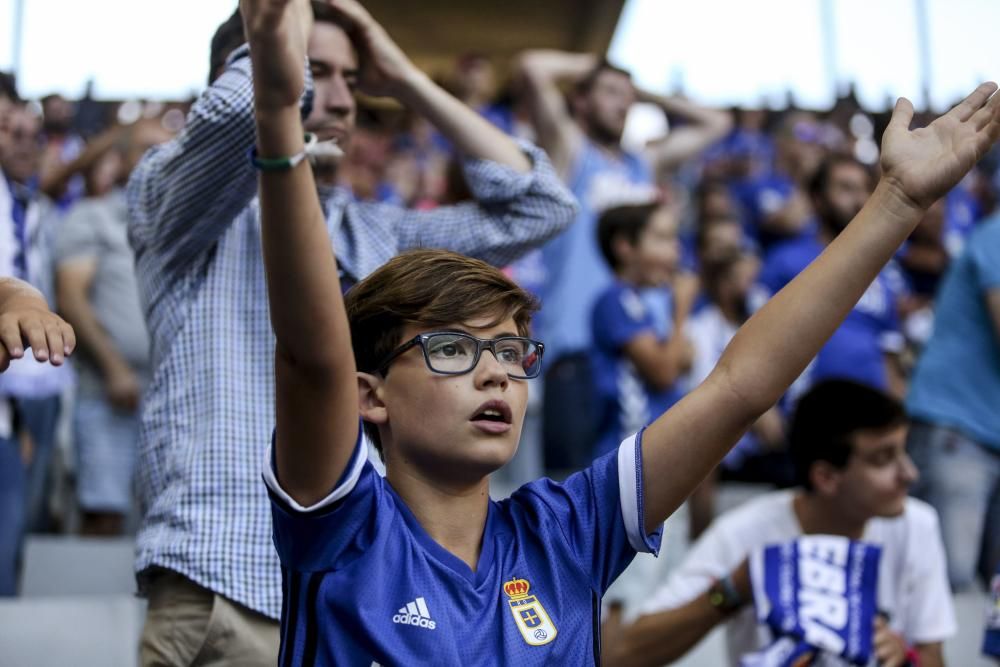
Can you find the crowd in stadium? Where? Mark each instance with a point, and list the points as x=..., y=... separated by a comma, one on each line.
x=860, y=249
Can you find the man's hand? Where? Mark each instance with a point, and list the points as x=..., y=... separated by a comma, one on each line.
x=922, y=165
x=890, y=649
x=385, y=69
x=123, y=388
x=278, y=32
x=25, y=321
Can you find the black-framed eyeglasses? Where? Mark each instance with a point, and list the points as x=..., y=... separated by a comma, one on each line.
x=455, y=353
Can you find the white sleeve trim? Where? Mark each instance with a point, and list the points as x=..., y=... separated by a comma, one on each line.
x=629, y=490
x=357, y=464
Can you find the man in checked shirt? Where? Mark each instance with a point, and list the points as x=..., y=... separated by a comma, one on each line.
x=205, y=557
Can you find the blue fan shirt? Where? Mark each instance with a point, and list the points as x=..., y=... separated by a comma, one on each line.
x=364, y=584
x=857, y=349
x=624, y=400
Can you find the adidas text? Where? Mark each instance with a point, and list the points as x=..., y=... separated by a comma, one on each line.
x=415, y=613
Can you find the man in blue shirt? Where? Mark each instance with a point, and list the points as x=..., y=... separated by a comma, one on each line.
x=955, y=401
x=430, y=351
x=584, y=140
x=866, y=345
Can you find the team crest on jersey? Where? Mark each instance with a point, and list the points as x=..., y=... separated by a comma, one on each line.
x=534, y=623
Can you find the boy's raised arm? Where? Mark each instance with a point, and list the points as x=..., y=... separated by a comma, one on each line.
x=777, y=343
x=316, y=385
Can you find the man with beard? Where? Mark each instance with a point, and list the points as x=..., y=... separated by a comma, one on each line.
x=205, y=556
x=583, y=139
x=866, y=346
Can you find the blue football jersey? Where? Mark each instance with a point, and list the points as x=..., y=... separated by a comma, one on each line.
x=624, y=400
x=857, y=348
x=364, y=583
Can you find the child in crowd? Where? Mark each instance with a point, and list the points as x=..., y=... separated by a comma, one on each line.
x=25, y=321
x=430, y=351
x=640, y=350
x=726, y=280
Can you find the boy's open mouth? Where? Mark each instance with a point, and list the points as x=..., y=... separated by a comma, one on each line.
x=493, y=411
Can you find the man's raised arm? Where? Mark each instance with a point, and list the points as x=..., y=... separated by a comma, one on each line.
x=316, y=384
x=541, y=72
x=704, y=127
x=776, y=344
x=185, y=193
x=520, y=202
x=386, y=71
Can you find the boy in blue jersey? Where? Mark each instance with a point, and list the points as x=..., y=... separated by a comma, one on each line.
x=638, y=353
x=422, y=566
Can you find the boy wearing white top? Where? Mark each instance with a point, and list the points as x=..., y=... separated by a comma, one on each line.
x=848, y=444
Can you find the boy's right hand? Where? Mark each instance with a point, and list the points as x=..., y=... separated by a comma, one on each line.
x=24, y=322
x=278, y=32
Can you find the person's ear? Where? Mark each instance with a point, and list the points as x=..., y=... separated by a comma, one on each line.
x=371, y=389
x=622, y=249
x=825, y=478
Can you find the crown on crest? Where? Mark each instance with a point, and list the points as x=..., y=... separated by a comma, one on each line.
x=516, y=588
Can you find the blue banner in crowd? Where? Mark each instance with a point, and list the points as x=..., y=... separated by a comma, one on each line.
x=818, y=595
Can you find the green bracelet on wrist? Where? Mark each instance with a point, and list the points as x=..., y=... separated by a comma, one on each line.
x=282, y=163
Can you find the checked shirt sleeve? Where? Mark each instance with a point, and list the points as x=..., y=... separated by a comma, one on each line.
x=185, y=193
x=512, y=213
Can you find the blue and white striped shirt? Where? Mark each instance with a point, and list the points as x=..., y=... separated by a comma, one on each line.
x=209, y=411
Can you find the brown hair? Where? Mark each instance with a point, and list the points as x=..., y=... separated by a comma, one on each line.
x=430, y=288
x=627, y=221
x=583, y=85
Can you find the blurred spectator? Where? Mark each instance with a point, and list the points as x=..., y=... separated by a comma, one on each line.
x=776, y=204
x=583, y=139
x=8, y=103
x=638, y=354
x=924, y=258
x=718, y=240
x=29, y=391
x=474, y=81
x=867, y=345
x=955, y=402
x=848, y=444
x=727, y=274
x=746, y=153
x=97, y=294
x=62, y=145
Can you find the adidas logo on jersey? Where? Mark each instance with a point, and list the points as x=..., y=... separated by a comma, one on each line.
x=415, y=613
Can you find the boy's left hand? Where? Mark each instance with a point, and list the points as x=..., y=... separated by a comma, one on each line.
x=923, y=164
x=24, y=323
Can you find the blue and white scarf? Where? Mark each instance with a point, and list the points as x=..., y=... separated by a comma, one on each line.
x=818, y=596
